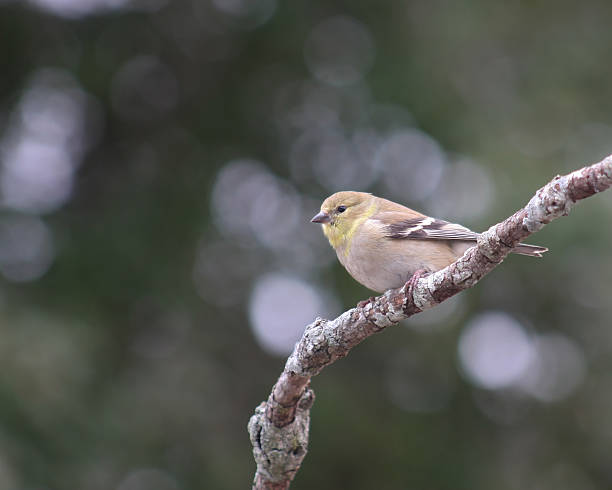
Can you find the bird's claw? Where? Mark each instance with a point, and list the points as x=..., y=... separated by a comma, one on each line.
x=364, y=302
x=414, y=279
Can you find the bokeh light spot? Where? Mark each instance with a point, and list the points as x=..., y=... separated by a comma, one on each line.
x=494, y=350
x=26, y=248
x=557, y=369
x=36, y=176
x=412, y=164
x=77, y=8
x=280, y=308
x=81, y=8
x=465, y=192
x=45, y=142
x=249, y=13
x=248, y=201
x=335, y=161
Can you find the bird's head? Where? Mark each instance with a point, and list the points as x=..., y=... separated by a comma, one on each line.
x=341, y=214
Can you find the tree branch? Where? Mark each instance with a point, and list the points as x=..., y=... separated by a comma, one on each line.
x=279, y=427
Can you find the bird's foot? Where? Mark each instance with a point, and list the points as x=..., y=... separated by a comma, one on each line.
x=364, y=302
x=414, y=279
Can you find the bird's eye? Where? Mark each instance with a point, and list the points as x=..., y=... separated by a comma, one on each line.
x=341, y=209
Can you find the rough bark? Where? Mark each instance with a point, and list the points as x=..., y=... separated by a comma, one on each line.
x=279, y=427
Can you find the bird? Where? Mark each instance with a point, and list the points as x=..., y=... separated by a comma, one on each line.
x=383, y=244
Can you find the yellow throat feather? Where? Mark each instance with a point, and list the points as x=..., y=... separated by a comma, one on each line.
x=340, y=234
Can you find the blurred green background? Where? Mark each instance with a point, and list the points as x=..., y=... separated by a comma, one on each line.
x=159, y=163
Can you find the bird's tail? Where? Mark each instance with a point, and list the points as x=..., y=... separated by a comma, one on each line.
x=532, y=250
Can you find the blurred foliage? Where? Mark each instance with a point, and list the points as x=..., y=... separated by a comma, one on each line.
x=159, y=163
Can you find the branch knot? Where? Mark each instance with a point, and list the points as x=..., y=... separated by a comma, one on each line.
x=551, y=201
x=279, y=452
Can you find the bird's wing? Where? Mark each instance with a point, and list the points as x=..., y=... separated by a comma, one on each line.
x=398, y=226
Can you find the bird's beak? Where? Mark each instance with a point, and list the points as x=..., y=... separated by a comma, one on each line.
x=322, y=217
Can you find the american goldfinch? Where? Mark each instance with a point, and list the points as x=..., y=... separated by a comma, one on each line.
x=382, y=244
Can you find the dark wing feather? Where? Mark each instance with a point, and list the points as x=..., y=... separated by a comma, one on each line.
x=424, y=228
